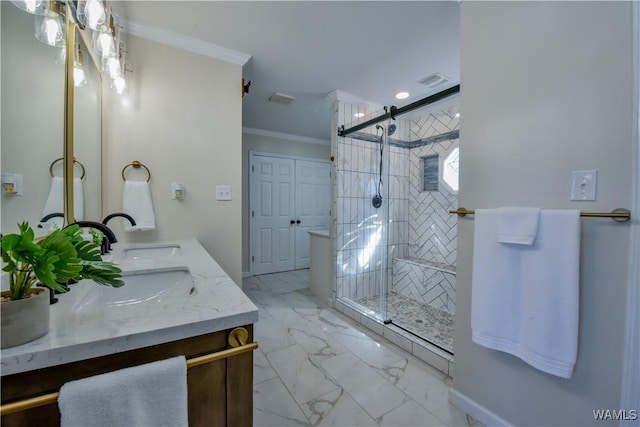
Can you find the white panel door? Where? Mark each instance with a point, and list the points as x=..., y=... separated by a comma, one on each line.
x=272, y=213
x=312, y=205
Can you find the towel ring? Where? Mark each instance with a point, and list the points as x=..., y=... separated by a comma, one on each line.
x=136, y=164
x=62, y=158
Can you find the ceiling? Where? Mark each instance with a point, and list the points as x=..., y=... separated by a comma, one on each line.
x=308, y=49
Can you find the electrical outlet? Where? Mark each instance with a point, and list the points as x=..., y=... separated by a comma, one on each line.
x=223, y=192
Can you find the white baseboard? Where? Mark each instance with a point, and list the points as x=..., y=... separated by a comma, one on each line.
x=477, y=411
x=246, y=274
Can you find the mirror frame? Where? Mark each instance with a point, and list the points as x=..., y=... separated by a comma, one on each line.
x=67, y=153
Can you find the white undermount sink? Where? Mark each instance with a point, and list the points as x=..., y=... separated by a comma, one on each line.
x=141, y=288
x=148, y=252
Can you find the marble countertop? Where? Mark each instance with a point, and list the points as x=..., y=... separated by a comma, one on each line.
x=321, y=233
x=78, y=334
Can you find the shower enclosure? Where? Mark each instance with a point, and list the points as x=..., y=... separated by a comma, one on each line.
x=395, y=181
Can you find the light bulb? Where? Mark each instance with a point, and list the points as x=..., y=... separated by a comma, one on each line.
x=113, y=67
x=94, y=14
x=105, y=45
x=79, y=78
x=119, y=85
x=31, y=6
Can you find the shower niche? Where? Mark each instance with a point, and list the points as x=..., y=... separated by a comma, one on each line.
x=395, y=181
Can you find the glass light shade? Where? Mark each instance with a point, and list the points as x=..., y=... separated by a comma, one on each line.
x=104, y=44
x=32, y=6
x=49, y=29
x=61, y=57
x=93, y=13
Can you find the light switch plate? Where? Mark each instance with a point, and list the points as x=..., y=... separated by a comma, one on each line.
x=583, y=185
x=223, y=192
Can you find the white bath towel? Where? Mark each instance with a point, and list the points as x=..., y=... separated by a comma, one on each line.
x=154, y=394
x=517, y=225
x=525, y=298
x=55, y=199
x=136, y=201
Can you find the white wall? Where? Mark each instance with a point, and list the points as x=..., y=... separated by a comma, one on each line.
x=269, y=144
x=547, y=89
x=182, y=118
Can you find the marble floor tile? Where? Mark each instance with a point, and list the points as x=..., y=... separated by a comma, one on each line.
x=274, y=406
x=304, y=380
x=315, y=366
x=336, y=408
x=409, y=414
x=371, y=350
x=262, y=369
x=371, y=391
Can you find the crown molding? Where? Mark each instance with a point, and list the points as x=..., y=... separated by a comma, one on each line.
x=185, y=42
x=340, y=95
x=285, y=136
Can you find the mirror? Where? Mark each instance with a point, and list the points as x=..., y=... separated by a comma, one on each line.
x=33, y=113
x=32, y=116
x=87, y=130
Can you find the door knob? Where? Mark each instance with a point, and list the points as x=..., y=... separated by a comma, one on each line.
x=292, y=222
x=298, y=221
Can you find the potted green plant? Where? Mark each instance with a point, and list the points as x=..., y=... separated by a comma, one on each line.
x=57, y=258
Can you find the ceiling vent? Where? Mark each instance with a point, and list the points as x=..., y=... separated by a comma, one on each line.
x=281, y=98
x=433, y=80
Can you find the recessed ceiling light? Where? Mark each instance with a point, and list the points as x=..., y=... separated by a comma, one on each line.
x=358, y=115
x=457, y=115
x=402, y=95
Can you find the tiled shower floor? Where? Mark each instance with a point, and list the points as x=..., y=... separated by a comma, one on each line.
x=429, y=323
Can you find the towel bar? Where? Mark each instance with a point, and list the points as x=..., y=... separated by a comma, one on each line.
x=62, y=158
x=136, y=164
x=618, y=215
x=236, y=339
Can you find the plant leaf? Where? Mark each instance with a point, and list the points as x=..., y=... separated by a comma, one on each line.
x=103, y=273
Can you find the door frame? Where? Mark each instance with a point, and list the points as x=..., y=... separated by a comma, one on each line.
x=253, y=153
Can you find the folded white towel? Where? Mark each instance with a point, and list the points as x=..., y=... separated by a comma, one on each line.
x=136, y=201
x=55, y=199
x=525, y=298
x=154, y=394
x=517, y=225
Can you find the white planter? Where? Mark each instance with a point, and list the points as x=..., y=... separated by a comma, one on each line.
x=24, y=320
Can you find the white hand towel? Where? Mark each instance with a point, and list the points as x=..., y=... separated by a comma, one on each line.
x=524, y=299
x=55, y=199
x=136, y=201
x=154, y=394
x=518, y=225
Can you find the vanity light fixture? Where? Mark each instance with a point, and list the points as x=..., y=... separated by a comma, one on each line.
x=49, y=28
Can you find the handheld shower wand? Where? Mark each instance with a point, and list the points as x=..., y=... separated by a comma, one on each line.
x=376, y=201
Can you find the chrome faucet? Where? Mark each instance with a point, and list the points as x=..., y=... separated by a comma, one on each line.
x=109, y=235
x=121, y=214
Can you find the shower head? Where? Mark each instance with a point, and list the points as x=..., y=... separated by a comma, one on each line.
x=391, y=129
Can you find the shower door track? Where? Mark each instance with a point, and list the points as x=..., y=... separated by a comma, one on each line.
x=395, y=111
x=391, y=322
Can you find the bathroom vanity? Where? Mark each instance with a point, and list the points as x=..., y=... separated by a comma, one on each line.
x=176, y=301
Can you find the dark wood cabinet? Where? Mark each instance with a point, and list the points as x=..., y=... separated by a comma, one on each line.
x=220, y=393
